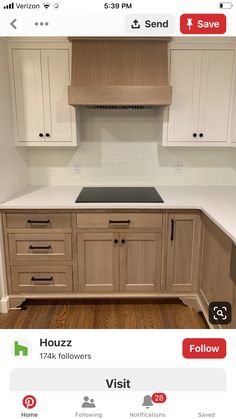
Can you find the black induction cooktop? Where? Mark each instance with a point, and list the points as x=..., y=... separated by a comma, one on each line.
x=119, y=194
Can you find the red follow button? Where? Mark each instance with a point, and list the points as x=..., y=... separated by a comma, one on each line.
x=201, y=24
x=204, y=348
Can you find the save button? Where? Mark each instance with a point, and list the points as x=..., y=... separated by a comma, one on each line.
x=203, y=24
x=204, y=348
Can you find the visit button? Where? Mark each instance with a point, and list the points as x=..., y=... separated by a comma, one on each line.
x=204, y=348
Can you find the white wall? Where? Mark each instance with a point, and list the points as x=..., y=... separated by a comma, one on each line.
x=13, y=163
x=121, y=148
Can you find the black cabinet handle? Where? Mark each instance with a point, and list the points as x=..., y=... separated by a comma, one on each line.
x=119, y=222
x=122, y=241
x=116, y=241
x=38, y=221
x=40, y=247
x=41, y=134
x=194, y=134
x=42, y=279
x=47, y=134
x=172, y=230
x=201, y=135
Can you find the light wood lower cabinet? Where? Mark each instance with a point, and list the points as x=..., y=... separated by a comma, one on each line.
x=120, y=261
x=35, y=221
x=113, y=220
x=33, y=247
x=140, y=261
x=233, y=323
x=98, y=262
x=183, y=252
x=38, y=279
x=143, y=252
x=39, y=248
x=216, y=284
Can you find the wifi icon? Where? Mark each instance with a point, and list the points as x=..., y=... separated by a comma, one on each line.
x=46, y=5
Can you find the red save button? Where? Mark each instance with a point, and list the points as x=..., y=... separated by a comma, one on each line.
x=204, y=348
x=203, y=24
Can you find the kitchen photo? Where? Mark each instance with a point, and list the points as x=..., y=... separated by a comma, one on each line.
x=118, y=183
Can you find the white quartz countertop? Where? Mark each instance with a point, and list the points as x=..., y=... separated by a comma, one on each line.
x=217, y=202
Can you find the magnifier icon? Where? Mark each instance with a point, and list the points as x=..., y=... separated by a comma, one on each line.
x=220, y=312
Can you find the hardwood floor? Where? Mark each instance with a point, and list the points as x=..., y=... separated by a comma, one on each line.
x=103, y=314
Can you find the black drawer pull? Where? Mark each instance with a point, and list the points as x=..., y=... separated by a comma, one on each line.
x=39, y=247
x=116, y=241
x=42, y=279
x=38, y=221
x=119, y=222
x=123, y=241
x=172, y=230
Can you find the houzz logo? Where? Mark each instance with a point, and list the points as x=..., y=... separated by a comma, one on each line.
x=20, y=350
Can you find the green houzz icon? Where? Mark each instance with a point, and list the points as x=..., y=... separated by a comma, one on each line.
x=20, y=350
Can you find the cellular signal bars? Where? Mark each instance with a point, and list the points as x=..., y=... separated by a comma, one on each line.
x=9, y=6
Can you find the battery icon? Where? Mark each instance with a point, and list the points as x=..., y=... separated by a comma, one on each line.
x=226, y=5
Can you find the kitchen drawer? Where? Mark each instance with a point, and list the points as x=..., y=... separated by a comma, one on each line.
x=31, y=279
x=116, y=220
x=38, y=221
x=32, y=247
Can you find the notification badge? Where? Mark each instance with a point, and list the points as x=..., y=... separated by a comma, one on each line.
x=203, y=24
x=159, y=398
x=29, y=402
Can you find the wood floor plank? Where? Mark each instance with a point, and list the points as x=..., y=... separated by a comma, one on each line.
x=103, y=314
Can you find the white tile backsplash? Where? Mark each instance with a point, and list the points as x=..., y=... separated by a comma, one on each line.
x=123, y=148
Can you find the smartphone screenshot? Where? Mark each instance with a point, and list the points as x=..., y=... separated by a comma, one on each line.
x=117, y=209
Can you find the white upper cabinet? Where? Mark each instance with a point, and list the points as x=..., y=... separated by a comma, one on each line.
x=215, y=95
x=40, y=79
x=233, y=116
x=185, y=82
x=28, y=95
x=233, y=133
x=201, y=102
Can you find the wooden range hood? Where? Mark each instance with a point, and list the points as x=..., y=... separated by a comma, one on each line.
x=119, y=71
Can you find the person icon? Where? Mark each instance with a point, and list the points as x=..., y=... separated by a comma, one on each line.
x=86, y=402
x=92, y=404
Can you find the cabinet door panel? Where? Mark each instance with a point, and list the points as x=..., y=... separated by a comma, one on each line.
x=28, y=95
x=233, y=323
x=98, y=260
x=183, y=252
x=217, y=70
x=56, y=78
x=185, y=81
x=216, y=284
x=141, y=262
x=233, y=114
